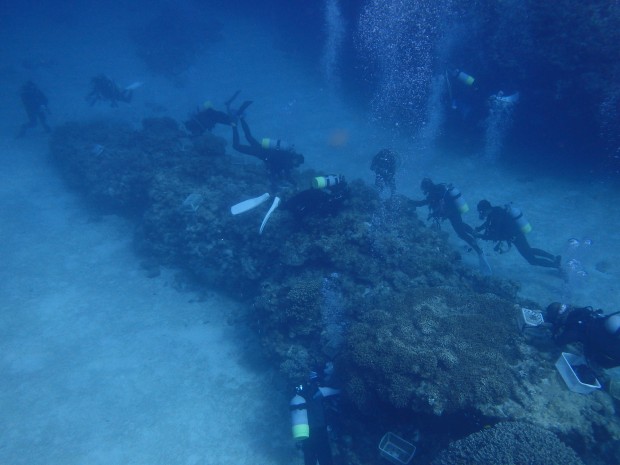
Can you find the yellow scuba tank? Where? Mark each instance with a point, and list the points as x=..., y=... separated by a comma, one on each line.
x=458, y=200
x=299, y=418
x=465, y=78
x=321, y=182
x=275, y=144
x=516, y=214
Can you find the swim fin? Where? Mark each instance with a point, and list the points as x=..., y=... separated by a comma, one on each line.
x=230, y=100
x=242, y=108
x=248, y=204
x=274, y=205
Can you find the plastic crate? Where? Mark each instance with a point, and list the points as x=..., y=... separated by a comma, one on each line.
x=396, y=449
x=565, y=365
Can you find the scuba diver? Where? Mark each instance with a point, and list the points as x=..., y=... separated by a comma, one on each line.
x=384, y=165
x=35, y=104
x=207, y=117
x=446, y=202
x=326, y=197
x=598, y=333
x=309, y=415
x=506, y=224
x=279, y=157
x=103, y=88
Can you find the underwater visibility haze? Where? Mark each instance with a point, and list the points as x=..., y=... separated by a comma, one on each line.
x=326, y=232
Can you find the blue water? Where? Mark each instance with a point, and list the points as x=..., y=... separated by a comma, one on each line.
x=341, y=79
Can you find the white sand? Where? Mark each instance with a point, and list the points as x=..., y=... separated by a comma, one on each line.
x=100, y=364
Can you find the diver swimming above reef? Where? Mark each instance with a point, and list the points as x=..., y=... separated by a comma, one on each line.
x=326, y=197
x=205, y=118
x=35, y=104
x=384, y=165
x=105, y=89
x=445, y=202
x=280, y=158
x=506, y=224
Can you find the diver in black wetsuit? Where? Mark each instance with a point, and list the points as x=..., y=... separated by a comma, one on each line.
x=500, y=226
x=442, y=207
x=446, y=203
x=599, y=333
x=384, y=165
x=280, y=158
x=35, y=104
x=207, y=117
x=103, y=88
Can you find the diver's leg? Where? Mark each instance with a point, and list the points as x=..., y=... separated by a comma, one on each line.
x=465, y=232
x=248, y=135
x=528, y=253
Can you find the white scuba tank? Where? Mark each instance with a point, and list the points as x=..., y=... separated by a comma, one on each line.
x=516, y=214
x=299, y=418
x=458, y=200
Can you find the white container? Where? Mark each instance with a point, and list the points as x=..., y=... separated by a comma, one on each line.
x=396, y=449
x=565, y=366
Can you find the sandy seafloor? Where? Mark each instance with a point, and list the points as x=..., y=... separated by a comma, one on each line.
x=100, y=364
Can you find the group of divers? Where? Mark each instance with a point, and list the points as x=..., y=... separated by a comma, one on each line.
x=312, y=406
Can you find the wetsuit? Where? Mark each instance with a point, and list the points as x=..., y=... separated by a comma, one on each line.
x=35, y=104
x=441, y=207
x=499, y=226
x=279, y=163
x=587, y=326
x=205, y=120
x=103, y=88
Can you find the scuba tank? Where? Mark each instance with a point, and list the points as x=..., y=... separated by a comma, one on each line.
x=321, y=182
x=299, y=418
x=275, y=144
x=517, y=216
x=465, y=78
x=458, y=200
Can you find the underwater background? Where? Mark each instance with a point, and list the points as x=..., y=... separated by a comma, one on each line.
x=141, y=322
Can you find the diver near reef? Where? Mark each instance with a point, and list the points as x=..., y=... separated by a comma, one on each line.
x=598, y=333
x=103, y=88
x=384, y=165
x=445, y=202
x=279, y=157
x=310, y=420
x=467, y=97
x=205, y=118
x=35, y=104
x=326, y=197
x=506, y=224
